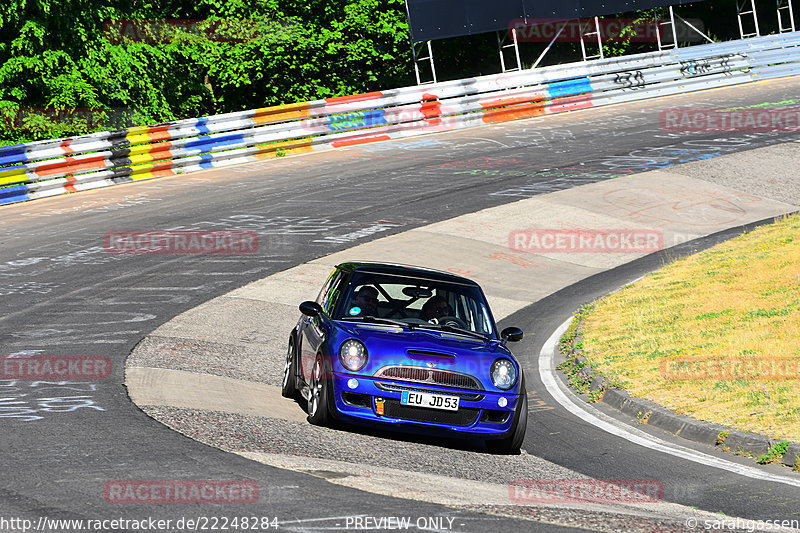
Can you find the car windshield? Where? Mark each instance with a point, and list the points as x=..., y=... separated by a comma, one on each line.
x=414, y=302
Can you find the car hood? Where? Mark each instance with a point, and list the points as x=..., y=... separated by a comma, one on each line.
x=427, y=348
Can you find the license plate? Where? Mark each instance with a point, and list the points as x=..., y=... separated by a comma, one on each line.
x=431, y=401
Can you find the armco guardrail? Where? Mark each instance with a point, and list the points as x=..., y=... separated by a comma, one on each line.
x=48, y=168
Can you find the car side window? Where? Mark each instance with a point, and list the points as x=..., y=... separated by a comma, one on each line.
x=326, y=289
x=330, y=293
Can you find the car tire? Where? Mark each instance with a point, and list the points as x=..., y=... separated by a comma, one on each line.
x=289, y=386
x=320, y=395
x=512, y=442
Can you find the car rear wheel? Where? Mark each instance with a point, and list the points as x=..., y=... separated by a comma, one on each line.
x=320, y=397
x=289, y=387
x=512, y=442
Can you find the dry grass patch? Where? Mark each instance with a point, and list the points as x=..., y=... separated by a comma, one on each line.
x=737, y=303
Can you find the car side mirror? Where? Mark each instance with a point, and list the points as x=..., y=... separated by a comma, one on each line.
x=511, y=334
x=312, y=309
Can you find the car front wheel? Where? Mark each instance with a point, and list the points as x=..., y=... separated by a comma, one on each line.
x=289, y=387
x=320, y=397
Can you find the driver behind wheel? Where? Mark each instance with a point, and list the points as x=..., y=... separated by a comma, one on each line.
x=435, y=307
x=367, y=300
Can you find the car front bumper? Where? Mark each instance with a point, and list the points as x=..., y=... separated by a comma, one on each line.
x=482, y=417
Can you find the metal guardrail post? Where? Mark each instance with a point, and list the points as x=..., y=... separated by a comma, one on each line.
x=547, y=48
x=785, y=7
x=671, y=24
x=752, y=11
x=502, y=45
x=596, y=33
x=692, y=26
x=418, y=60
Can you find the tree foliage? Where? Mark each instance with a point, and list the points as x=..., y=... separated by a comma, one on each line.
x=84, y=54
x=244, y=54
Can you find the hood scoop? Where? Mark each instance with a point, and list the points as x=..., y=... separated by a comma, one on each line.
x=424, y=354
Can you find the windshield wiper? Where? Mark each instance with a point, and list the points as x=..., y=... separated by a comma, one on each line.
x=454, y=329
x=440, y=327
x=377, y=320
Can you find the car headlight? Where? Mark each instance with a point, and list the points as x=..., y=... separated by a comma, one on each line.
x=504, y=374
x=353, y=355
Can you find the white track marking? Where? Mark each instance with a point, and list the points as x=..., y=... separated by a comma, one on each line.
x=565, y=397
x=490, y=140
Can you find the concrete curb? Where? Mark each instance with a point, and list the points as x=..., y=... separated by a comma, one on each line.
x=686, y=427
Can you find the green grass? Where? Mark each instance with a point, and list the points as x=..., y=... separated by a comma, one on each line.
x=738, y=301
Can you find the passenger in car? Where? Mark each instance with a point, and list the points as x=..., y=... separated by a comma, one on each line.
x=435, y=307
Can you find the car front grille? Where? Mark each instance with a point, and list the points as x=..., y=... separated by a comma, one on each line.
x=430, y=376
x=397, y=387
x=462, y=417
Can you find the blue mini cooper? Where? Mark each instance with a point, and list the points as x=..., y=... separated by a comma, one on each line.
x=410, y=349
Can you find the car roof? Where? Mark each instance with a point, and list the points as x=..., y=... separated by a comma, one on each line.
x=404, y=270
